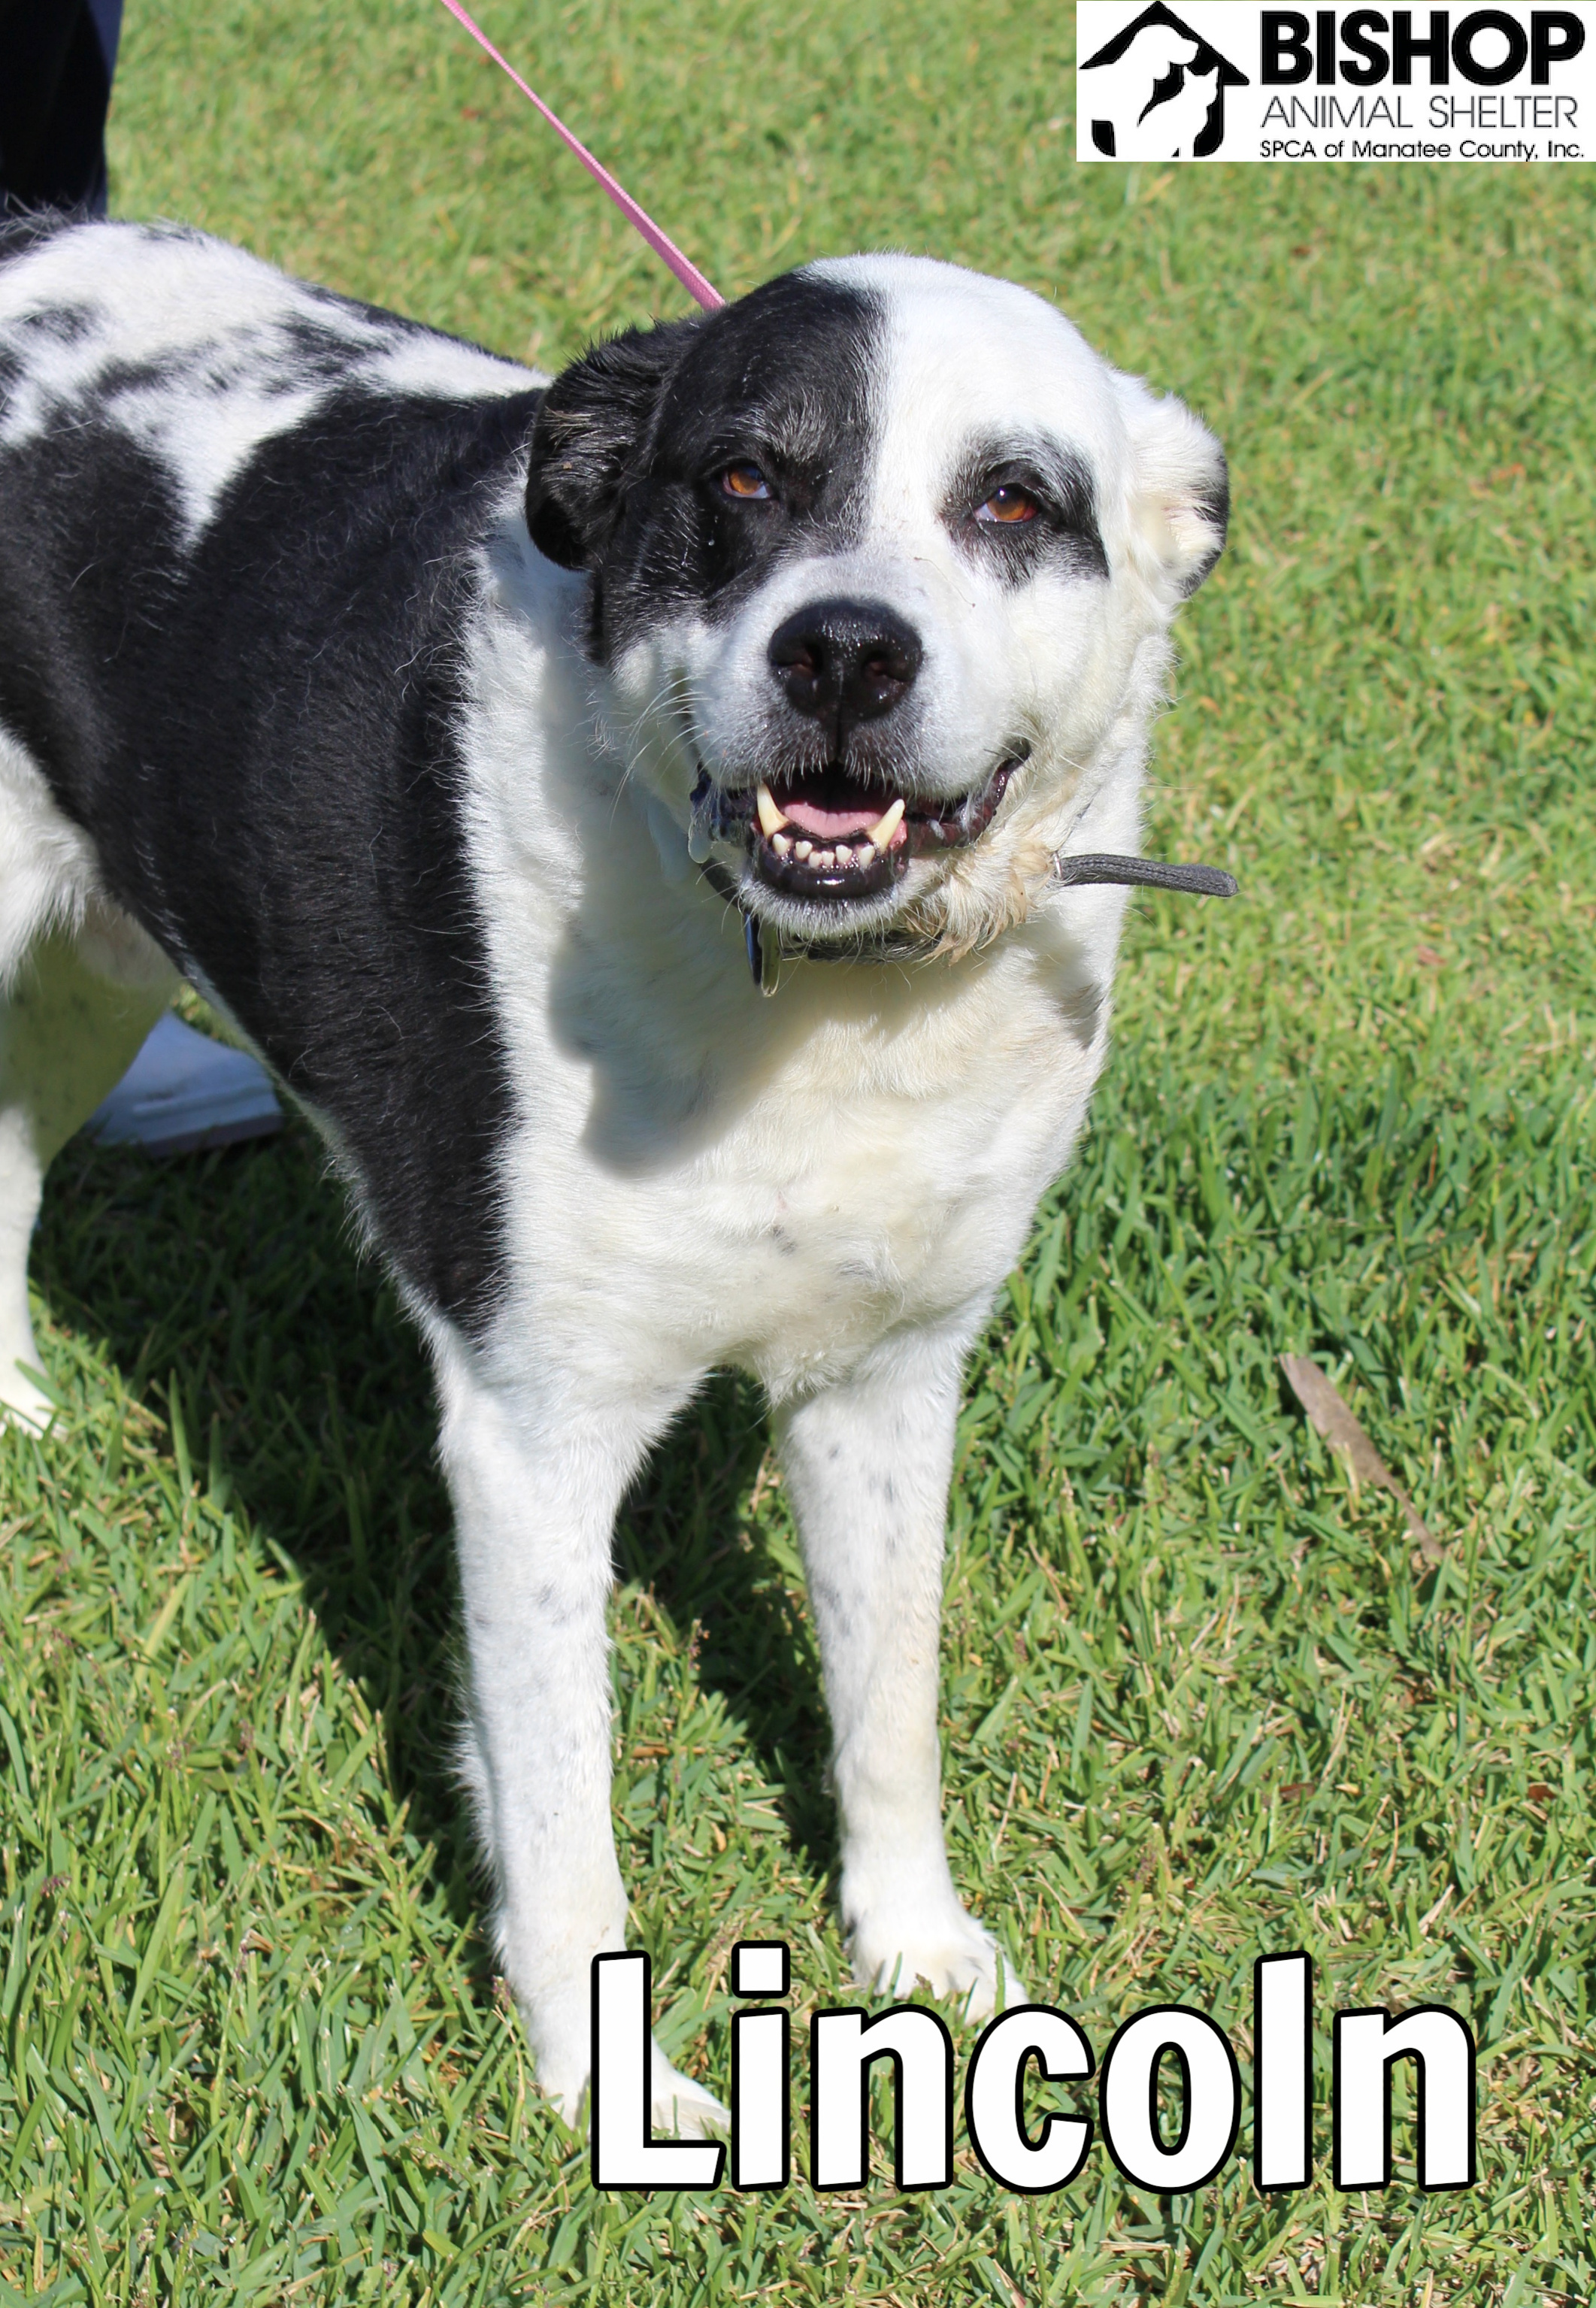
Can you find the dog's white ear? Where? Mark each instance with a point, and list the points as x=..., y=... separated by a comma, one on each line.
x=591, y=436
x=1180, y=489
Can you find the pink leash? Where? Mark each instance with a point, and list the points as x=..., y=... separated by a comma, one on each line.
x=685, y=271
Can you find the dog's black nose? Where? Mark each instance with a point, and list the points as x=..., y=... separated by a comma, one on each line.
x=842, y=662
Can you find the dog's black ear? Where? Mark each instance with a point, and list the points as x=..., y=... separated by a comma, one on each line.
x=592, y=432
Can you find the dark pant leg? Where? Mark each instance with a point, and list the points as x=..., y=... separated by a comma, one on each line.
x=56, y=62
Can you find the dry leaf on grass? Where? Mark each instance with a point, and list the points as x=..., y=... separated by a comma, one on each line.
x=1333, y=1419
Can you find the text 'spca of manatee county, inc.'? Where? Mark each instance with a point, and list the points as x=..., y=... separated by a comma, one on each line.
x=1224, y=79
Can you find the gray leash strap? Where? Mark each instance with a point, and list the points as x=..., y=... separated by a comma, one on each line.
x=1149, y=873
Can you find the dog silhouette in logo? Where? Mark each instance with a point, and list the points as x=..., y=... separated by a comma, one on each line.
x=1158, y=93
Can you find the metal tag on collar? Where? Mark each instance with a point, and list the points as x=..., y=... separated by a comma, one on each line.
x=764, y=956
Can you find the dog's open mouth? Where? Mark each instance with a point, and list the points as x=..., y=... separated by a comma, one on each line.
x=828, y=834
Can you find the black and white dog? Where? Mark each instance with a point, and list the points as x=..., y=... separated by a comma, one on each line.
x=464, y=736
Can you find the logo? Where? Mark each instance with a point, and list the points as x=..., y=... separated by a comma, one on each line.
x=1157, y=91
x=1241, y=80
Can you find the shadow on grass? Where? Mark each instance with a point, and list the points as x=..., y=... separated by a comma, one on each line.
x=679, y=1533
x=228, y=1288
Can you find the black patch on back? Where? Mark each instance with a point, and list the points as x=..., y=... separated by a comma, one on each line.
x=632, y=440
x=262, y=739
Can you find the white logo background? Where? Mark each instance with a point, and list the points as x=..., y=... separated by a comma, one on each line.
x=1229, y=80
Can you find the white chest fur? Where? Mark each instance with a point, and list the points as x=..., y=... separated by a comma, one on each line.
x=702, y=1176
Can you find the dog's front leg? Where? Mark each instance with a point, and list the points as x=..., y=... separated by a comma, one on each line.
x=536, y=1480
x=867, y=1465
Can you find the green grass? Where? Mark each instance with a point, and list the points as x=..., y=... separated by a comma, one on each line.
x=1200, y=1700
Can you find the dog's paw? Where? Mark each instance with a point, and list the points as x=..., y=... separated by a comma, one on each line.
x=559, y=2029
x=564, y=2084
x=24, y=1402
x=948, y=1952
x=679, y=2108
x=682, y=2109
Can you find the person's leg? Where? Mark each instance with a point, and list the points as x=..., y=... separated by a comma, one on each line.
x=56, y=59
x=184, y=1093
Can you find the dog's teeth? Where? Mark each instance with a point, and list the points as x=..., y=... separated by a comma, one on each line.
x=803, y=850
x=769, y=817
x=864, y=853
x=824, y=860
x=887, y=824
x=781, y=843
x=844, y=854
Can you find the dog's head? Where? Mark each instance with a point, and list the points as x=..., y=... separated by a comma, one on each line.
x=882, y=558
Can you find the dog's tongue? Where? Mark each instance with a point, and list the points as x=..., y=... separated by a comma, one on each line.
x=814, y=818
x=831, y=804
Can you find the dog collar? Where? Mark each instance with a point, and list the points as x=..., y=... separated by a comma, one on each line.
x=766, y=947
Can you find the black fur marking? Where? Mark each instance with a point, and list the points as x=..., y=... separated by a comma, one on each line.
x=591, y=431
x=23, y=229
x=1063, y=533
x=1215, y=510
x=633, y=442
x=260, y=737
x=68, y=324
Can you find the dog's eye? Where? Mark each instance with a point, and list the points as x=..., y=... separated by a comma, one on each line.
x=744, y=481
x=1008, y=504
